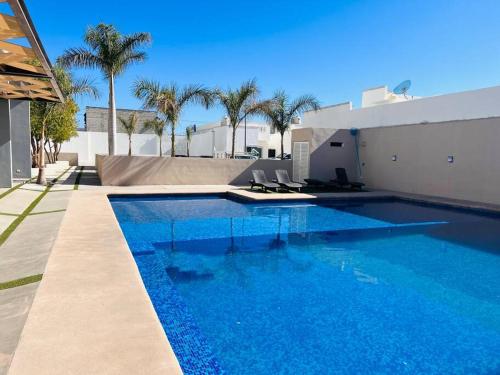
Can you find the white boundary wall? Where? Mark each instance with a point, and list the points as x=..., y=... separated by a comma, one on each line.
x=89, y=144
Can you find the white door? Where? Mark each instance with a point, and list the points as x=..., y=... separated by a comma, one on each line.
x=300, y=159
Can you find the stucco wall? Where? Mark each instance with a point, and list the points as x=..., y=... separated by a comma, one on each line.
x=145, y=170
x=89, y=144
x=323, y=157
x=422, y=165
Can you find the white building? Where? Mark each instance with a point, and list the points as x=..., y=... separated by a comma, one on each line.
x=215, y=139
x=380, y=107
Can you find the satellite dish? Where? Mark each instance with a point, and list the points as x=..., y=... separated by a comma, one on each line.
x=402, y=88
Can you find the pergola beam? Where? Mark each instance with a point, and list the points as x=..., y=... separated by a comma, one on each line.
x=24, y=71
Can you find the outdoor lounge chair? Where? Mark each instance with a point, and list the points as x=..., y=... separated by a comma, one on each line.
x=343, y=181
x=260, y=179
x=284, y=180
x=314, y=183
x=319, y=184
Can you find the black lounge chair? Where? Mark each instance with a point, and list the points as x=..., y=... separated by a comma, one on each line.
x=284, y=180
x=343, y=181
x=319, y=184
x=260, y=179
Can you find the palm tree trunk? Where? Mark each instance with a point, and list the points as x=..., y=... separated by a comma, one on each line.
x=172, y=139
x=130, y=145
x=41, y=180
x=188, y=149
x=233, y=142
x=34, y=153
x=111, y=116
x=160, y=147
x=282, y=148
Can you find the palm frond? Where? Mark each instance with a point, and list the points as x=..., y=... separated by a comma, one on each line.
x=79, y=57
x=130, y=124
x=302, y=104
x=196, y=94
x=238, y=103
x=84, y=86
x=133, y=41
x=147, y=91
x=157, y=125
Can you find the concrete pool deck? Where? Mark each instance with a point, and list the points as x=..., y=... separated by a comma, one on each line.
x=91, y=313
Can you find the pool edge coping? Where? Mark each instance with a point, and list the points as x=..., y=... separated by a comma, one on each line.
x=74, y=326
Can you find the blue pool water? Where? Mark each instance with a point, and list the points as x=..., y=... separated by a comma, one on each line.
x=367, y=287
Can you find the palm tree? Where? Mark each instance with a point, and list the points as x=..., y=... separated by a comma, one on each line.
x=280, y=111
x=170, y=100
x=112, y=53
x=240, y=104
x=157, y=125
x=42, y=113
x=129, y=125
x=189, y=135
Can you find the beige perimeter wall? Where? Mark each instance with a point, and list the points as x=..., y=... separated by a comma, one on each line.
x=124, y=170
x=422, y=165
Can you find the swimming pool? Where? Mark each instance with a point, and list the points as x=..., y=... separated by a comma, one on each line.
x=360, y=287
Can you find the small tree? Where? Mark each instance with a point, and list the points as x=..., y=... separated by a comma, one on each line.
x=61, y=128
x=239, y=104
x=110, y=52
x=157, y=125
x=170, y=100
x=129, y=125
x=189, y=135
x=280, y=111
x=56, y=121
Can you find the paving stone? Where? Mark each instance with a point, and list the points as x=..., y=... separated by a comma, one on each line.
x=15, y=304
x=54, y=200
x=26, y=251
x=17, y=201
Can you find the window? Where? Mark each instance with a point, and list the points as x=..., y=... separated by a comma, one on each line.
x=271, y=153
x=336, y=144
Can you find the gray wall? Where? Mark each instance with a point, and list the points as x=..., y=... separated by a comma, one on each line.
x=20, y=131
x=5, y=145
x=148, y=170
x=323, y=157
x=422, y=165
x=97, y=119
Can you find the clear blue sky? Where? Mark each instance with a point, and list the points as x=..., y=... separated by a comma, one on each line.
x=332, y=49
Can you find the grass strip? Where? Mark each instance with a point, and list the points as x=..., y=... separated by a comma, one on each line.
x=21, y=282
x=46, y=212
x=78, y=177
x=12, y=227
x=8, y=214
x=13, y=188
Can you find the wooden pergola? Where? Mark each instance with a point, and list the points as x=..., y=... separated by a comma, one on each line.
x=25, y=72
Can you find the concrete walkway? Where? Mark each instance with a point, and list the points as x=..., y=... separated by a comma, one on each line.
x=26, y=250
